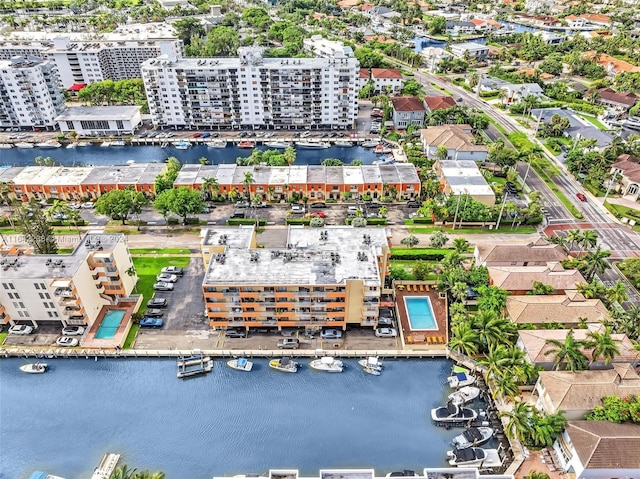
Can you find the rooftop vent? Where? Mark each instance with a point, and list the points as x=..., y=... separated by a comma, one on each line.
x=324, y=235
x=221, y=258
x=362, y=256
x=366, y=239
x=255, y=257
x=223, y=239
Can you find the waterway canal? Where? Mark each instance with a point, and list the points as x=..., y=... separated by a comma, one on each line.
x=228, y=422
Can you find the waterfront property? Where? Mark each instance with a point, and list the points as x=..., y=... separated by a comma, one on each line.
x=422, y=314
x=520, y=280
x=627, y=169
x=428, y=473
x=330, y=276
x=68, y=290
x=100, y=120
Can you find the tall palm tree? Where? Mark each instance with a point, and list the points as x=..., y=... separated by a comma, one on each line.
x=489, y=325
x=602, y=345
x=617, y=293
x=460, y=245
x=568, y=352
x=573, y=237
x=211, y=185
x=519, y=420
x=589, y=240
x=247, y=181
x=123, y=472
x=505, y=388
x=595, y=262
x=464, y=339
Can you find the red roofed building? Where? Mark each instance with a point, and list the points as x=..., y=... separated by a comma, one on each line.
x=619, y=101
x=627, y=174
x=387, y=79
x=439, y=102
x=407, y=110
x=611, y=64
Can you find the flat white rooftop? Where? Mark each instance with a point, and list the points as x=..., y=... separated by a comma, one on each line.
x=99, y=113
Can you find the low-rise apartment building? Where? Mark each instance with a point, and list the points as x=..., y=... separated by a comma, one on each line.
x=100, y=120
x=252, y=91
x=387, y=80
x=68, y=289
x=30, y=93
x=407, y=110
x=537, y=253
x=472, y=50
x=330, y=276
x=463, y=177
x=319, y=46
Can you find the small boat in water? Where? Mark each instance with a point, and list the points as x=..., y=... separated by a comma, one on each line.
x=344, y=144
x=49, y=144
x=474, y=457
x=217, y=143
x=464, y=395
x=105, y=144
x=241, y=364
x=310, y=145
x=372, y=371
x=370, y=144
x=372, y=362
x=118, y=142
x=5, y=146
x=24, y=144
x=452, y=413
x=474, y=436
x=182, y=145
x=460, y=378
x=387, y=160
x=247, y=144
x=84, y=143
x=71, y=145
x=34, y=368
x=327, y=364
x=284, y=364
x=194, y=365
x=278, y=145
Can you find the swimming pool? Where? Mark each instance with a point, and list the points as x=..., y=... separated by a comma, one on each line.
x=420, y=313
x=110, y=324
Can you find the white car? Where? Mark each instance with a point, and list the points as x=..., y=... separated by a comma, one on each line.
x=162, y=286
x=386, y=332
x=88, y=205
x=297, y=209
x=22, y=329
x=67, y=341
x=167, y=278
x=73, y=331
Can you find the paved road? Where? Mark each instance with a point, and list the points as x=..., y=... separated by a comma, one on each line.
x=612, y=275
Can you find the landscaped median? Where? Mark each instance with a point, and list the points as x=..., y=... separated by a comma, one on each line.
x=620, y=211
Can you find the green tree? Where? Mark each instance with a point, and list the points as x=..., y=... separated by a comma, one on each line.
x=464, y=339
x=602, y=345
x=399, y=273
x=165, y=181
x=221, y=41
x=368, y=57
x=594, y=262
x=412, y=87
x=460, y=245
x=567, y=352
x=116, y=204
x=181, y=201
x=541, y=289
x=421, y=270
x=34, y=227
x=519, y=420
x=617, y=410
x=617, y=293
x=492, y=298
x=437, y=25
x=442, y=153
x=438, y=240
x=410, y=241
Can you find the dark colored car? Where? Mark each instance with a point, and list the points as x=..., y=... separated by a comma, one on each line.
x=157, y=303
x=173, y=270
x=414, y=204
x=318, y=205
x=154, y=313
x=238, y=214
x=235, y=333
x=148, y=322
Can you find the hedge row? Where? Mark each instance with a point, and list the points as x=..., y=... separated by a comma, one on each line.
x=298, y=221
x=245, y=221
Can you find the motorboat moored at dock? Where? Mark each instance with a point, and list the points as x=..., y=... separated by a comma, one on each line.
x=49, y=144
x=474, y=457
x=217, y=143
x=194, y=365
x=278, y=145
x=327, y=364
x=452, y=414
x=284, y=364
x=241, y=364
x=247, y=144
x=370, y=144
x=474, y=436
x=5, y=146
x=372, y=362
x=24, y=144
x=372, y=371
x=460, y=378
x=310, y=145
x=464, y=395
x=182, y=145
x=344, y=144
x=34, y=368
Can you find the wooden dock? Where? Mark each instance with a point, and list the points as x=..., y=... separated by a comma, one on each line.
x=106, y=467
x=194, y=366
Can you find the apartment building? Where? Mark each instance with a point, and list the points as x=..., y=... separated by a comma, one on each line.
x=330, y=276
x=100, y=120
x=252, y=91
x=319, y=46
x=30, y=93
x=65, y=289
x=82, y=58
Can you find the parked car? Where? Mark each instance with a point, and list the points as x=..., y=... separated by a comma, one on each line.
x=288, y=343
x=67, y=341
x=154, y=313
x=262, y=204
x=21, y=329
x=238, y=214
x=318, y=205
x=167, y=278
x=297, y=209
x=235, y=333
x=331, y=334
x=386, y=333
x=87, y=205
x=206, y=134
x=242, y=204
x=149, y=322
x=197, y=135
x=414, y=204
x=73, y=331
x=581, y=197
x=318, y=214
x=60, y=216
x=161, y=286
x=374, y=205
x=157, y=303
x=172, y=270
x=75, y=206
x=385, y=321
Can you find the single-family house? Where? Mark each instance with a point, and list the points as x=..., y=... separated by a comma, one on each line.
x=407, y=110
x=574, y=21
x=516, y=93
x=577, y=393
x=493, y=84
x=599, y=449
x=570, y=309
x=457, y=139
x=475, y=51
x=620, y=102
x=611, y=64
x=434, y=103
x=596, y=19
x=537, y=348
x=578, y=127
x=519, y=280
x=626, y=171
x=457, y=28
x=433, y=56
x=537, y=253
x=387, y=80
x=486, y=24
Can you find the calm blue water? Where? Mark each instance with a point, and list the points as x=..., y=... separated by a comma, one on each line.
x=146, y=154
x=110, y=324
x=226, y=422
x=420, y=313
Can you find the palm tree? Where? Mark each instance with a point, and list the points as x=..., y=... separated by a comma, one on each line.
x=595, y=262
x=123, y=472
x=602, y=345
x=594, y=289
x=567, y=351
x=149, y=475
x=211, y=185
x=489, y=327
x=505, y=388
x=460, y=245
x=589, y=240
x=519, y=420
x=573, y=236
x=617, y=293
x=459, y=291
x=247, y=181
x=464, y=339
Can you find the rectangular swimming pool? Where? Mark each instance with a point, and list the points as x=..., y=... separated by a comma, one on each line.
x=420, y=313
x=110, y=324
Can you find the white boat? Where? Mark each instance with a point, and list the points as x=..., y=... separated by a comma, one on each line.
x=118, y=142
x=182, y=145
x=278, y=145
x=49, y=144
x=310, y=145
x=474, y=436
x=405, y=473
x=370, y=144
x=284, y=364
x=5, y=146
x=84, y=143
x=373, y=362
x=464, y=395
x=23, y=144
x=452, y=413
x=217, y=143
x=474, y=457
x=34, y=368
x=632, y=122
x=344, y=143
x=105, y=144
x=71, y=145
x=372, y=371
x=460, y=378
x=241, y=364
x=327, y=364
x=382, y=150
x=387, y=160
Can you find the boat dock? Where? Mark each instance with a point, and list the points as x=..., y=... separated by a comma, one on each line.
x=106, y=467
x=194, y=365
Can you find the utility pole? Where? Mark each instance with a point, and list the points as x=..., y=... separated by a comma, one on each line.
x=612, y=181
x=455, y=217
x=504, y=202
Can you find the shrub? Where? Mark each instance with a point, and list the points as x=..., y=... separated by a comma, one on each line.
x=245, y=221
x=299, y=221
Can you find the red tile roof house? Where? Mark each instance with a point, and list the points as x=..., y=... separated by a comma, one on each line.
x=434, y=103
x=618, y=101
x=407, y=110
x=627, y=172
x=387, y=77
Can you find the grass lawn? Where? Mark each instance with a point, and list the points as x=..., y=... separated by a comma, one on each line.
x=143, y=251
x=65, y=250
x=57, y=230
x=623, y=211
x=520, y=141
x=148, y=268
x=444, y=90
x=471, y=231
x=131, y=337
x=3, y=336
x=594, y=121
x=420, y=251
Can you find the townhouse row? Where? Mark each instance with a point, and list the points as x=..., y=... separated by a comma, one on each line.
x=315, y=182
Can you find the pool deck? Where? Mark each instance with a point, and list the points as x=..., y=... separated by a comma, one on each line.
x=420, y=338
x=90, y=340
